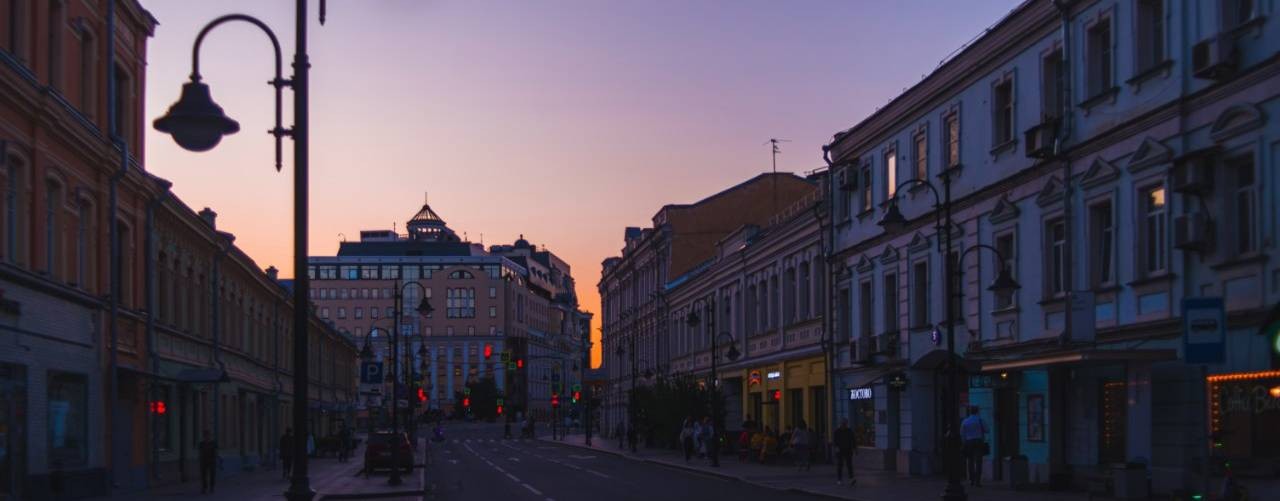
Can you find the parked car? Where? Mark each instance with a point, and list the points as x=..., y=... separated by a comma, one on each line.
x=387, y=450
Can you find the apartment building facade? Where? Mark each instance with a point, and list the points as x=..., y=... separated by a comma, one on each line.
x=1120, y=158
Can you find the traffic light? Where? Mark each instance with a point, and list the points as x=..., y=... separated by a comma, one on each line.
x=466, y=402
x=499, y=410
x=777, y=395
x=577, y=395
x=488, y=351
x=422, y=395
x=519, y=363
x=555, y=400
x=157, y=407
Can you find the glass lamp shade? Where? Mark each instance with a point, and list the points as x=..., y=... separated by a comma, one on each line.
x=893, y=219
x=424, y=307
x=1004, y=282
x=195, y=121
x=733, y=353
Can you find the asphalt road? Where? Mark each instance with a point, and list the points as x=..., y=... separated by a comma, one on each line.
x=474, y=463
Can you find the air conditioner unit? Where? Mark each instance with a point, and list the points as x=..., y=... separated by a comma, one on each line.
x=1214, y=58
x=1193, y=174
x=1039, y=139
x=1191, y=231
x=887, y=345
x=863, y=347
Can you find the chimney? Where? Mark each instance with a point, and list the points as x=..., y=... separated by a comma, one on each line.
x=210, y=217
x=273, y=273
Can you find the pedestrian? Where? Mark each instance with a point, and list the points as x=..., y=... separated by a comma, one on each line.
x=844, y=452
x=698, y=443
x=344, y=444
x=711, y=440
x=286, y=452
x=208, y=462
x=768, y=446
x=974, y=433
x=686, y=438
x=633, y=437
x=744, y=445
x=800, y=446
x=311, y=444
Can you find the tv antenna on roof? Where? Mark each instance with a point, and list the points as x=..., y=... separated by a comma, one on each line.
x=774, y=141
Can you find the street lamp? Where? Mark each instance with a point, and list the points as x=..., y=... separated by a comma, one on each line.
x=424, y=309
x=893, y=221
x=693, y=320
x=198, y=124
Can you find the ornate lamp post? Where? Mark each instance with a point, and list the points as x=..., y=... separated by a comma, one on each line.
x=198, y=124
x=717, y=417
x=893, y=221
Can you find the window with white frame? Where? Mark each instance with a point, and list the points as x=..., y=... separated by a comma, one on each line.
x=920, y=148
x=951, y=138
x=1099, y=52
x=1005, y=246
x=866, y=184
x=1002, y=112
x=865, y=302
x=890, y=309
x=1051, y=88
x=1055, y=242
x=1244, y=203
x=1102, y=238
x=1150, y=34
x=1151, y=202
x=890, y=173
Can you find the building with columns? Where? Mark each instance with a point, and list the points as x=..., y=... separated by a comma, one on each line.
x=1120, y=158
x=512, y=300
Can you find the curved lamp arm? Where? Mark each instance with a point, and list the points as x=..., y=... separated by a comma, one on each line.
x=972, y=248
x=937, y=199
x=279, y=82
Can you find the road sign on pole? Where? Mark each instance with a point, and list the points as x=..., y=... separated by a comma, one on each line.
x=371, y=372
x=1204, y=327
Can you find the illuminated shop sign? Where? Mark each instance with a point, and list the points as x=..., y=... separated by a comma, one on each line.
x=860, y=393
x=774, y=374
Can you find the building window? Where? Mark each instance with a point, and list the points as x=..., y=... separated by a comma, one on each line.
x=1056, y=254
x=88, y=71
x=17, y=28
x=804, y=310
x=1005, y=246
x=68, y=419
x=920, y=294
x=358, y=312
x=342, y=313
x=890, y=309
x=1152, y=203
x=493, y=292
x=461, y=302
x=369, y=272
x=1051, y=79
x=1237, y=12
x=391, y=312
x=1244, y=203
x=324, y=313
x=921, y=151
x=57, y=20
x=350, y=272
x=12, y=205
x=843, y=188
x=865, y=299
x=890, y=173
x=390, y=272
x=1099, y=52
x=1102, y=233
x=951, y=130
x=1002, y=112
x=1150, y=36
x=328, y=273
x=867, y=186
x=493, y=312
x=123, y=102
x=461, y=275
x=53, y=203
x=84, y=217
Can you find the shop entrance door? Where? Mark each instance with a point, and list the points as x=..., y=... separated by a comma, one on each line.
x=13, y=432
x=1006, y=432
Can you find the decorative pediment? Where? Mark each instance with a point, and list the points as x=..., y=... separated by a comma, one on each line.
x=1150, y=152
x=919, y=242
x=1051, y=193
x=1100, y=172
x=865, y=265
x=1004, y=211
x=890, y=255
x=957, y=231
x=1235, y=120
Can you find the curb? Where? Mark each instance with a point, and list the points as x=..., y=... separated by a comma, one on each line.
x=373, y=495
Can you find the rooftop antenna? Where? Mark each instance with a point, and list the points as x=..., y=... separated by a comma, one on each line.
x=773, y=142
x=425, y=198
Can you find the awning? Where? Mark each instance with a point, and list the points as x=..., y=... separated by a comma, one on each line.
x=1087, y=356
x=868, y=377
x=781, y=356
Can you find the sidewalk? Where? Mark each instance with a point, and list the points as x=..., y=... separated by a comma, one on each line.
x=329, y=478
x=873, y=485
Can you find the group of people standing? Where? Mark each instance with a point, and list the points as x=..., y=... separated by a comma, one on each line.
x=765, y=444
x=698, y=437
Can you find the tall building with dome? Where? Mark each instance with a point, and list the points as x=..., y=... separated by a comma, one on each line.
x=511, y=302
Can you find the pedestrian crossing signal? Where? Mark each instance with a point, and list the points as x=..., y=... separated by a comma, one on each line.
x=519, y=363
x=499, y=410
x=576, y=396
x=555, y=400
x=157, y=407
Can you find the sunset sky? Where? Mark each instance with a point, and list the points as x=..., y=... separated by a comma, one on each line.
x=564, y=121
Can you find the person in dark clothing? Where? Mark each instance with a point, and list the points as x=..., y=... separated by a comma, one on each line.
x=208, y=462
x=344, y=444
x=286, y=452
x=844, y=452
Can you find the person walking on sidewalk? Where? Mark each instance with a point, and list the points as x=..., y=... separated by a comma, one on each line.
x=844, y=452
x=208, y=462
x=344, y=444
x=974, y=433
x=286, y=453
x=800, y=446
x=711, y=439
x=686, y=438
x=698, y=443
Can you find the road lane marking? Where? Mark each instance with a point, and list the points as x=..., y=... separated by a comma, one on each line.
x=575, y=456
x=572, y=466
x=513, y=478
x=535, y=492
x=598, y=474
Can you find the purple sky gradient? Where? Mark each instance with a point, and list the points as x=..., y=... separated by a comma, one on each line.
x=564, y=121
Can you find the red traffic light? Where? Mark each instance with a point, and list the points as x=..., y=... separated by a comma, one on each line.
x=499, y=410
x=777, y=394
x=466, y=401
x=422, y=395
x=555, y=400
x=488, y=351
x=577, y=395
x=157, y=407
x=519, y=363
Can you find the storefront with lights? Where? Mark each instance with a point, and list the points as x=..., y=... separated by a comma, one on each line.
x=782, y=394
x=1244, y=420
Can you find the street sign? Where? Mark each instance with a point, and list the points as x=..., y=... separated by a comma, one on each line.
x=1204, y=330
x=1083, y=317
x=371, y=372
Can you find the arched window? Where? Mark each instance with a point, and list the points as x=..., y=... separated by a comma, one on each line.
x=84, y=236
x=461, y=275
x=88, y=70
x=57, y=19
x=52, y=244
x=14, y=190
x=16, y=42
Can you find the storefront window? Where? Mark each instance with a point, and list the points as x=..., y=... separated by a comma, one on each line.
x=68, y=433
x=1245, y=418
x=862, y=409
x=13, y=429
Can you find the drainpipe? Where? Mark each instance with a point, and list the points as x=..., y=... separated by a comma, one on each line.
x=275, y=376
x=1062, y=153
x=217, y=326
x=828, y=320
x=150, y=284
x=114, y=237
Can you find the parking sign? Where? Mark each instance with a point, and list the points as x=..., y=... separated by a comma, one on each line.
x=371, y=372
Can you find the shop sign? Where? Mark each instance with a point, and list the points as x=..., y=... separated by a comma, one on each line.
x=774, y=374
x=897, y=381
x=1204, y=330
x=860, y=393
x=753, y=378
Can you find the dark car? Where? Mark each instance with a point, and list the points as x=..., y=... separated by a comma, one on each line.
x=387, y=450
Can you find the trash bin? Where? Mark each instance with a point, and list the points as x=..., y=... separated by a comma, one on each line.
x=1130, y=481
x=1018, y=470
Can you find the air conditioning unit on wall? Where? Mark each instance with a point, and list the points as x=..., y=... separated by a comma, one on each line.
x=1040, y=138
x=1214, y=58
x=1191, y=231
x=1193, y=175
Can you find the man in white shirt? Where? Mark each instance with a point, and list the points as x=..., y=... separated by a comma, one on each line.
x=974, y=433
